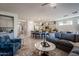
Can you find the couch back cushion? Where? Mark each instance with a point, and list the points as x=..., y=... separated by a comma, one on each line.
x=68, y=36
x=1, y=39
x=58, y=35
x=7, y=38
x=77, y=37
x=4, y=39
x=52, y=35
x=11, y=35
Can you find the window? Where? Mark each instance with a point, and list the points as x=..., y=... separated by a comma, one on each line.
x=60, y=23
x=68, y=23
x=65, y=23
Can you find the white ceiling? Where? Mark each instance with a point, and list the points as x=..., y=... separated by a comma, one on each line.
x=35, y=10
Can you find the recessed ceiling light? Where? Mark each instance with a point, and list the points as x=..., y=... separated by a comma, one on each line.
x=52, y=4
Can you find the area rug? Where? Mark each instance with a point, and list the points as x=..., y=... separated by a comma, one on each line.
x=24, y=51
x=28, y=49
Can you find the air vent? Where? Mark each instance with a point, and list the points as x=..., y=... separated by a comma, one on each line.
x=74, y=12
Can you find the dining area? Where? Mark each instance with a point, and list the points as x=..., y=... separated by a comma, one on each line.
x=39, y=35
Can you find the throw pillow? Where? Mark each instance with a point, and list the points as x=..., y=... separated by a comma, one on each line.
x=52, y=36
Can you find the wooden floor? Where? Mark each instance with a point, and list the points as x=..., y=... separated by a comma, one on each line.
x=28, y=48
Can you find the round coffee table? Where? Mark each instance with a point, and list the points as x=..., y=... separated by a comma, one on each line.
x=45, y=50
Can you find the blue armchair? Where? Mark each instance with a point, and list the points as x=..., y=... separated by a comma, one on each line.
x=9, y=47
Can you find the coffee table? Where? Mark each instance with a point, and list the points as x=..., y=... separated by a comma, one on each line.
x=44, y=50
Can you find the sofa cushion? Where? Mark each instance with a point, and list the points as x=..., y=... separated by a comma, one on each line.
x=65, y=43
x=2, y=40
x=68, y=36
x=77, y=37
x=6, y=38
x=51, y=37
x=11, y=35
x=58, y=35
x=75, y=50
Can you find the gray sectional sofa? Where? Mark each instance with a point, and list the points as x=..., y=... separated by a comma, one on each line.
x=62, y=41
x=74, y=51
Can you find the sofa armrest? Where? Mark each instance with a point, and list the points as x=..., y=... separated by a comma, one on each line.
x=16, y=40
x=12, y=47
x=5, y=45
x=8, y=47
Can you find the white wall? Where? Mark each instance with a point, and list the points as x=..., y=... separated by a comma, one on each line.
x=30, y=27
